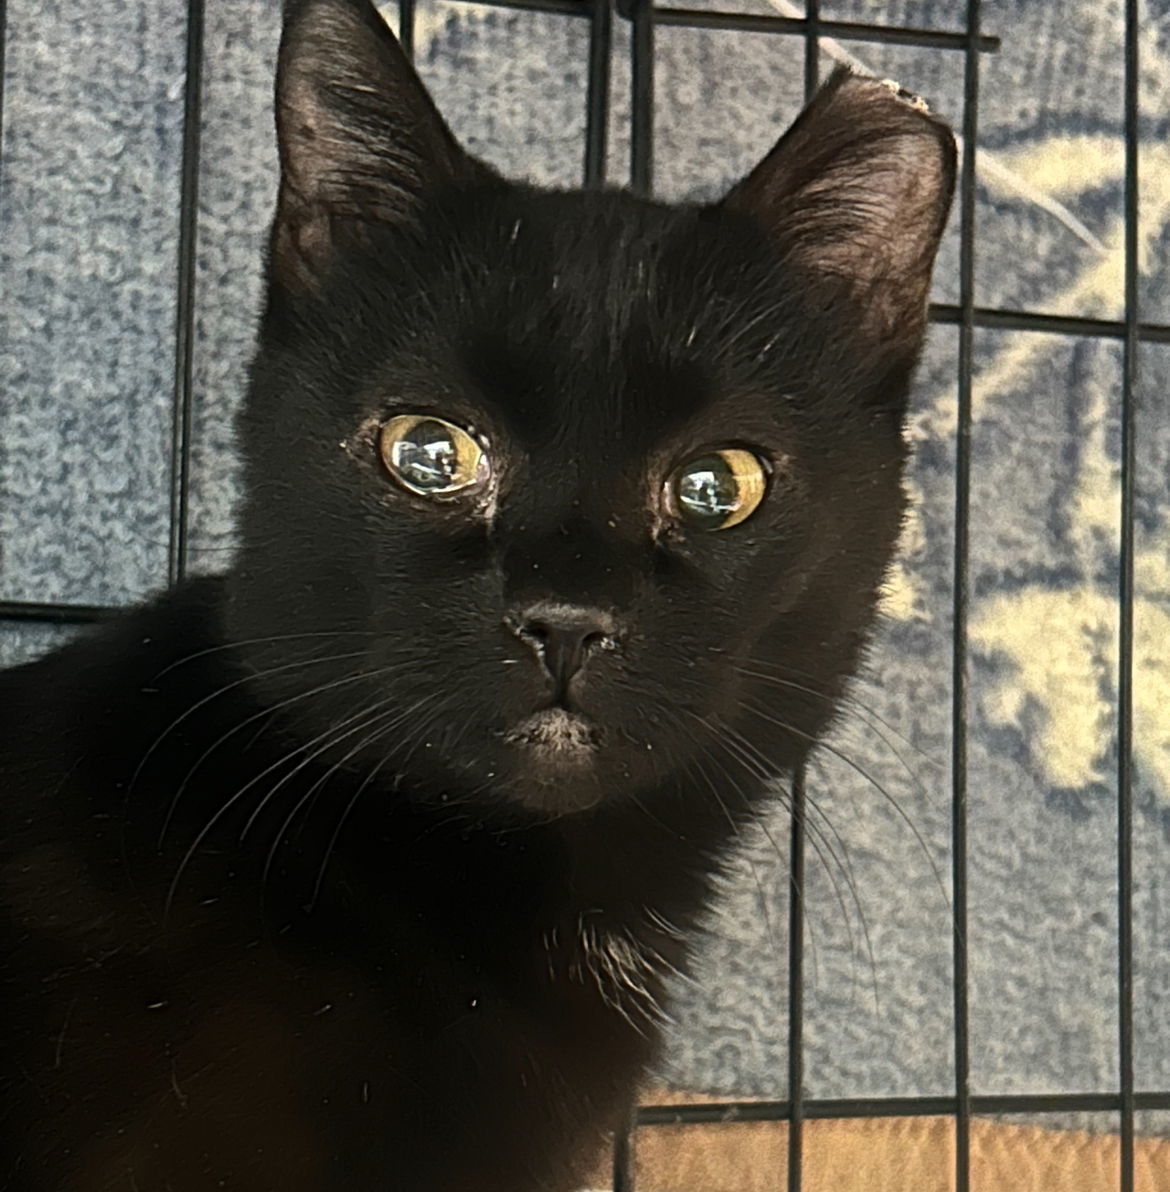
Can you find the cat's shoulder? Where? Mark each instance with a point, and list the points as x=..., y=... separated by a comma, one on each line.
x=98, y=686
x=120, y=646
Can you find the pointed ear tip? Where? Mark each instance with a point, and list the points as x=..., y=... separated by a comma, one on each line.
x=293, y=12
x=848, y=85
x=320, y=38
x=913, y=112
x=292, y=9
x=296, y=13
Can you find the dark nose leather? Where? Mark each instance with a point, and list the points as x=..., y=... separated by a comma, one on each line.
x=563, y=636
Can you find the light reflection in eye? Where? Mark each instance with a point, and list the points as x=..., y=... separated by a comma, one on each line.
x=720, y=490
x=432, y=457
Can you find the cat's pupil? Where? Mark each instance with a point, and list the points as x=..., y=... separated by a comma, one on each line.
x=429, y=462
x=708, y=491
x=720, y=490
x=430, y=456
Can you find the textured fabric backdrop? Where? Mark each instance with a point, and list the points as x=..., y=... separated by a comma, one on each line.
x=88, y=241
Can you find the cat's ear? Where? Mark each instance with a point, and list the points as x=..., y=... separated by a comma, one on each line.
x=360, y=139
x=858, y=191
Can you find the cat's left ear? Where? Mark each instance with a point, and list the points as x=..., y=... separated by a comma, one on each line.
x=857, y=193
x=360, y=139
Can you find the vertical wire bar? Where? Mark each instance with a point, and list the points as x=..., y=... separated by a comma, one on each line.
x=796, y=986
x=1126, y=597
x=596, y=131
x=640, y=13
x=812, y=47
x=406, y=28
x=3, y=49
x=623, y=1155
x=959, y=694
x=3, y=56
x=597, y=99
x=642, y=112
x=796, y=905
x=185, y=303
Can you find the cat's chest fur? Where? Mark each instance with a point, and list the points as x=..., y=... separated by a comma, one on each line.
x=299, y=1010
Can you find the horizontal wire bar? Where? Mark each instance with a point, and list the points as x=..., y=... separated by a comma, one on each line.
x=728, y=1112
x=762, y=23
x=1028, y=320
x=61, y=614
x=568, y=8
x=935, y=39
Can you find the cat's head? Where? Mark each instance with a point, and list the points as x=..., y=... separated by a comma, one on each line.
x=560, y=497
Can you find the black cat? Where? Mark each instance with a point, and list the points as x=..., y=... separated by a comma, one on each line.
x=368, y=865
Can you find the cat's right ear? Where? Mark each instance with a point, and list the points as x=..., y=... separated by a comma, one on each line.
x=360, y=139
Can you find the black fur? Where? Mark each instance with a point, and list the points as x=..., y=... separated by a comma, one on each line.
x=289, y=901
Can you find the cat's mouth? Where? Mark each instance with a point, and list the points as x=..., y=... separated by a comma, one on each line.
x=557, y=736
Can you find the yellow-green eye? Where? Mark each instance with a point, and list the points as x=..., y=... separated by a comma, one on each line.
x=719, y=490
x=432, y=457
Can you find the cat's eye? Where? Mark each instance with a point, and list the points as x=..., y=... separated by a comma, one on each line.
x=719, y=490
x=431, y=457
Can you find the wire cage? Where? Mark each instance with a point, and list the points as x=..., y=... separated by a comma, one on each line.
x=968, y=46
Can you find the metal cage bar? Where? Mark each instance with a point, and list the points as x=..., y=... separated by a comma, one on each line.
x=623, y=1155
x=597, y=97
x=642, y=18
x=406, y=27
x=797, y=839
x=817, y=1109
x=961, y=581
x=796, y=1102
x=54, y=614
x=183, y=400
x=1130, y=352
x=839, y=30
x=3, y=42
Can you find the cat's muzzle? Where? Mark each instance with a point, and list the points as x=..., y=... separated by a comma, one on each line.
x=556, y=736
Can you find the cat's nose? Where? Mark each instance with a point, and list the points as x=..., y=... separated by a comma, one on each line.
x=563, y=636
